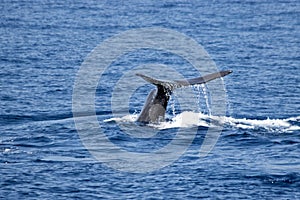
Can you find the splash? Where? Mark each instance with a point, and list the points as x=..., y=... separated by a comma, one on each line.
x=193, y=119
x=189, y=119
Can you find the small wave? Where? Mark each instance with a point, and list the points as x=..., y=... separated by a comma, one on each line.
x=65, y=159
x=192, y=119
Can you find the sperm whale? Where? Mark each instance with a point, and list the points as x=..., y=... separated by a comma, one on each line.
x=157, y=101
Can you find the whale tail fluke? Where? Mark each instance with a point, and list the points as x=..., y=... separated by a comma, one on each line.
x=171, y=85
x=203, y=79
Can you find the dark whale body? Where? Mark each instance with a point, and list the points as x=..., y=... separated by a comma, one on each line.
x=156, y=104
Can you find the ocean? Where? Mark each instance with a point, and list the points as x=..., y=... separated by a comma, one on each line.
x=69, y=100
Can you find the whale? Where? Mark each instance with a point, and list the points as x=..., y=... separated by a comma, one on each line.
x=157, y=100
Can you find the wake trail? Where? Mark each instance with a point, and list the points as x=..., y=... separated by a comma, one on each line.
x=193, y=119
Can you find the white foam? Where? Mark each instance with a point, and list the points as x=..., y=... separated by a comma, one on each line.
x=183, y=120
x=192, y=119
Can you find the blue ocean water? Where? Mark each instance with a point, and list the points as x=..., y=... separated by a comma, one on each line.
x=44, y=43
